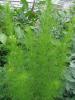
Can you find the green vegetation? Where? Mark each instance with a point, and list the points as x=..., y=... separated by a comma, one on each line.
x=33, y=60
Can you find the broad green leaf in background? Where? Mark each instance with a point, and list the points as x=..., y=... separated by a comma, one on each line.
x=3, y=38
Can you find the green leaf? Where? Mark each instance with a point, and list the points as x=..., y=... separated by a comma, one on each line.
x=25, y=4
x=3, y=38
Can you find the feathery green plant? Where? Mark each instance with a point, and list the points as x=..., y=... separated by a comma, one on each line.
x=47, y=57
x=35, y=74
x=8, y=20
x=15, y=70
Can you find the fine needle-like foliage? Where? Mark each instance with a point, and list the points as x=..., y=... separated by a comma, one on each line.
x=8, y=20
x=47, y=57
x=15, y=71
x=35, y=72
